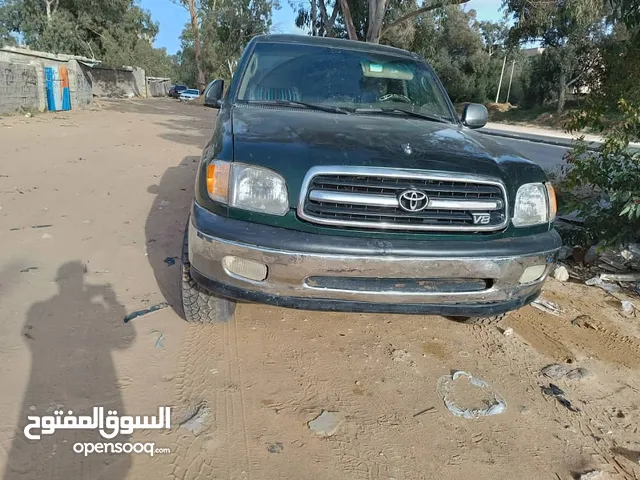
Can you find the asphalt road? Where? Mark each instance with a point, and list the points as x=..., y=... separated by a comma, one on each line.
x=549, y=157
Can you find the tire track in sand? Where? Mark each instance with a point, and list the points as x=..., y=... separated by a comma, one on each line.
x=210, y=378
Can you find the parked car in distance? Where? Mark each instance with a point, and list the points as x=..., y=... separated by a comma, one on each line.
x=190, y=94
x=339, y=177
x=176, y=90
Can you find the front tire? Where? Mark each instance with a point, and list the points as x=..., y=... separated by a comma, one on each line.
x=198, y=304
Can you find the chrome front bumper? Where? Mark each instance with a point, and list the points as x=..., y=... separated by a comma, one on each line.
x=289, y=274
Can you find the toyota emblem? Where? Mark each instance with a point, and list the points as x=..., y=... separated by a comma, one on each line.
x=413, y=200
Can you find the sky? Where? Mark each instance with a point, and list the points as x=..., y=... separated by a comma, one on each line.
x=172, y=18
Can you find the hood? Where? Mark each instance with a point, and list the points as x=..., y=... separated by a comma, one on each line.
x=291, y=141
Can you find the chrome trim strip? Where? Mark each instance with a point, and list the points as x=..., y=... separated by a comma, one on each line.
x=484, y=205
x=354, y=198
x=399, y=173
x=392, y=201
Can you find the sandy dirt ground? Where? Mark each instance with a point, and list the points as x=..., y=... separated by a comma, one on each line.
x=92, y=205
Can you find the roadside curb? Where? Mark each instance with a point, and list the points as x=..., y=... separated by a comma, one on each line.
x=547, y=140
x=532, y=137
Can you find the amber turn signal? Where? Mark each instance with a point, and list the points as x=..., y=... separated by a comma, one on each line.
x=553, y=202
x=218, y=181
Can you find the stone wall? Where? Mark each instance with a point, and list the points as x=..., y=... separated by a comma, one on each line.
x=18, y=87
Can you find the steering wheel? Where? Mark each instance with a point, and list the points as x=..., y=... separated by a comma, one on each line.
x=395, y=96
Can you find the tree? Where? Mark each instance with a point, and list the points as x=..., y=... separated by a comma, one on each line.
x=567, y=29
x=225, y=27
x=195, y=9
x=51, y=6
x=626, y=12
x=369, y=21
x=321, y=25
x=230, y=29
x=494, y=34
x=451, y=40
x=118, y=32
x=155, y=61
x=610, y=176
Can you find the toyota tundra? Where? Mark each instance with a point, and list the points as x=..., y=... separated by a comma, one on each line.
x=340, y=177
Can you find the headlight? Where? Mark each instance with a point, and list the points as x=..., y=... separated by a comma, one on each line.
x=535, y=204
x=245, y=186
x=259, y=190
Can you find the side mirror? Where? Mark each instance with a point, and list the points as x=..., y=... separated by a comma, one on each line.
x=475, y=115
x=213, y=94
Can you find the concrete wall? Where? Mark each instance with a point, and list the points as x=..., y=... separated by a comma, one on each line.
x=158, y=87
x=23, y=85
x=118, y=82
x=18, y=87
x=80, y=86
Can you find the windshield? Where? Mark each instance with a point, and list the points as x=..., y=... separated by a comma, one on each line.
x=361, y=81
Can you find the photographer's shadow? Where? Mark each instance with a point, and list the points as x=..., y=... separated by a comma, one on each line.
x=71, y=337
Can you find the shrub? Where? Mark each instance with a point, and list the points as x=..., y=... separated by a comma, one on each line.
x=605, y=183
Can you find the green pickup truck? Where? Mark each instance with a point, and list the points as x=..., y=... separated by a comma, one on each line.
x=339, y=177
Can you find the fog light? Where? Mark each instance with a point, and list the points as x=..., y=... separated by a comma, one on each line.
x=531, y=274
x=245, y=268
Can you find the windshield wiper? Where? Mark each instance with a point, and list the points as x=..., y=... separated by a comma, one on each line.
x=425, y=116
x=295, y=103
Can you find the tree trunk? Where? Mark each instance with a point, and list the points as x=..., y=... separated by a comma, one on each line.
x=314, y=16
x=372, y=13
x=51, y=6
x=328, y=23
x=376, y=16
x=348, y=21
x=47, y=6
x=323, y=16
x=562, y=90
x=193, y=13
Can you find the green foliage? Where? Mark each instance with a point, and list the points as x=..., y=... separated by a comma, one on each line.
x=569, y=30
x=155, y=61
x=494, y=34
x=542, y=72
x=224, y=32
x=451, y=40
x=610, y=177
x=626, y=11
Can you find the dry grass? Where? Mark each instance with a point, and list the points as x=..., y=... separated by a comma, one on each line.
x=498, y=107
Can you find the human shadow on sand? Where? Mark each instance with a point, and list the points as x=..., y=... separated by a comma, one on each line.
x=71, y=337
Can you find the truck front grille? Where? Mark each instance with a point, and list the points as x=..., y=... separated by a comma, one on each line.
x=396, y=199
